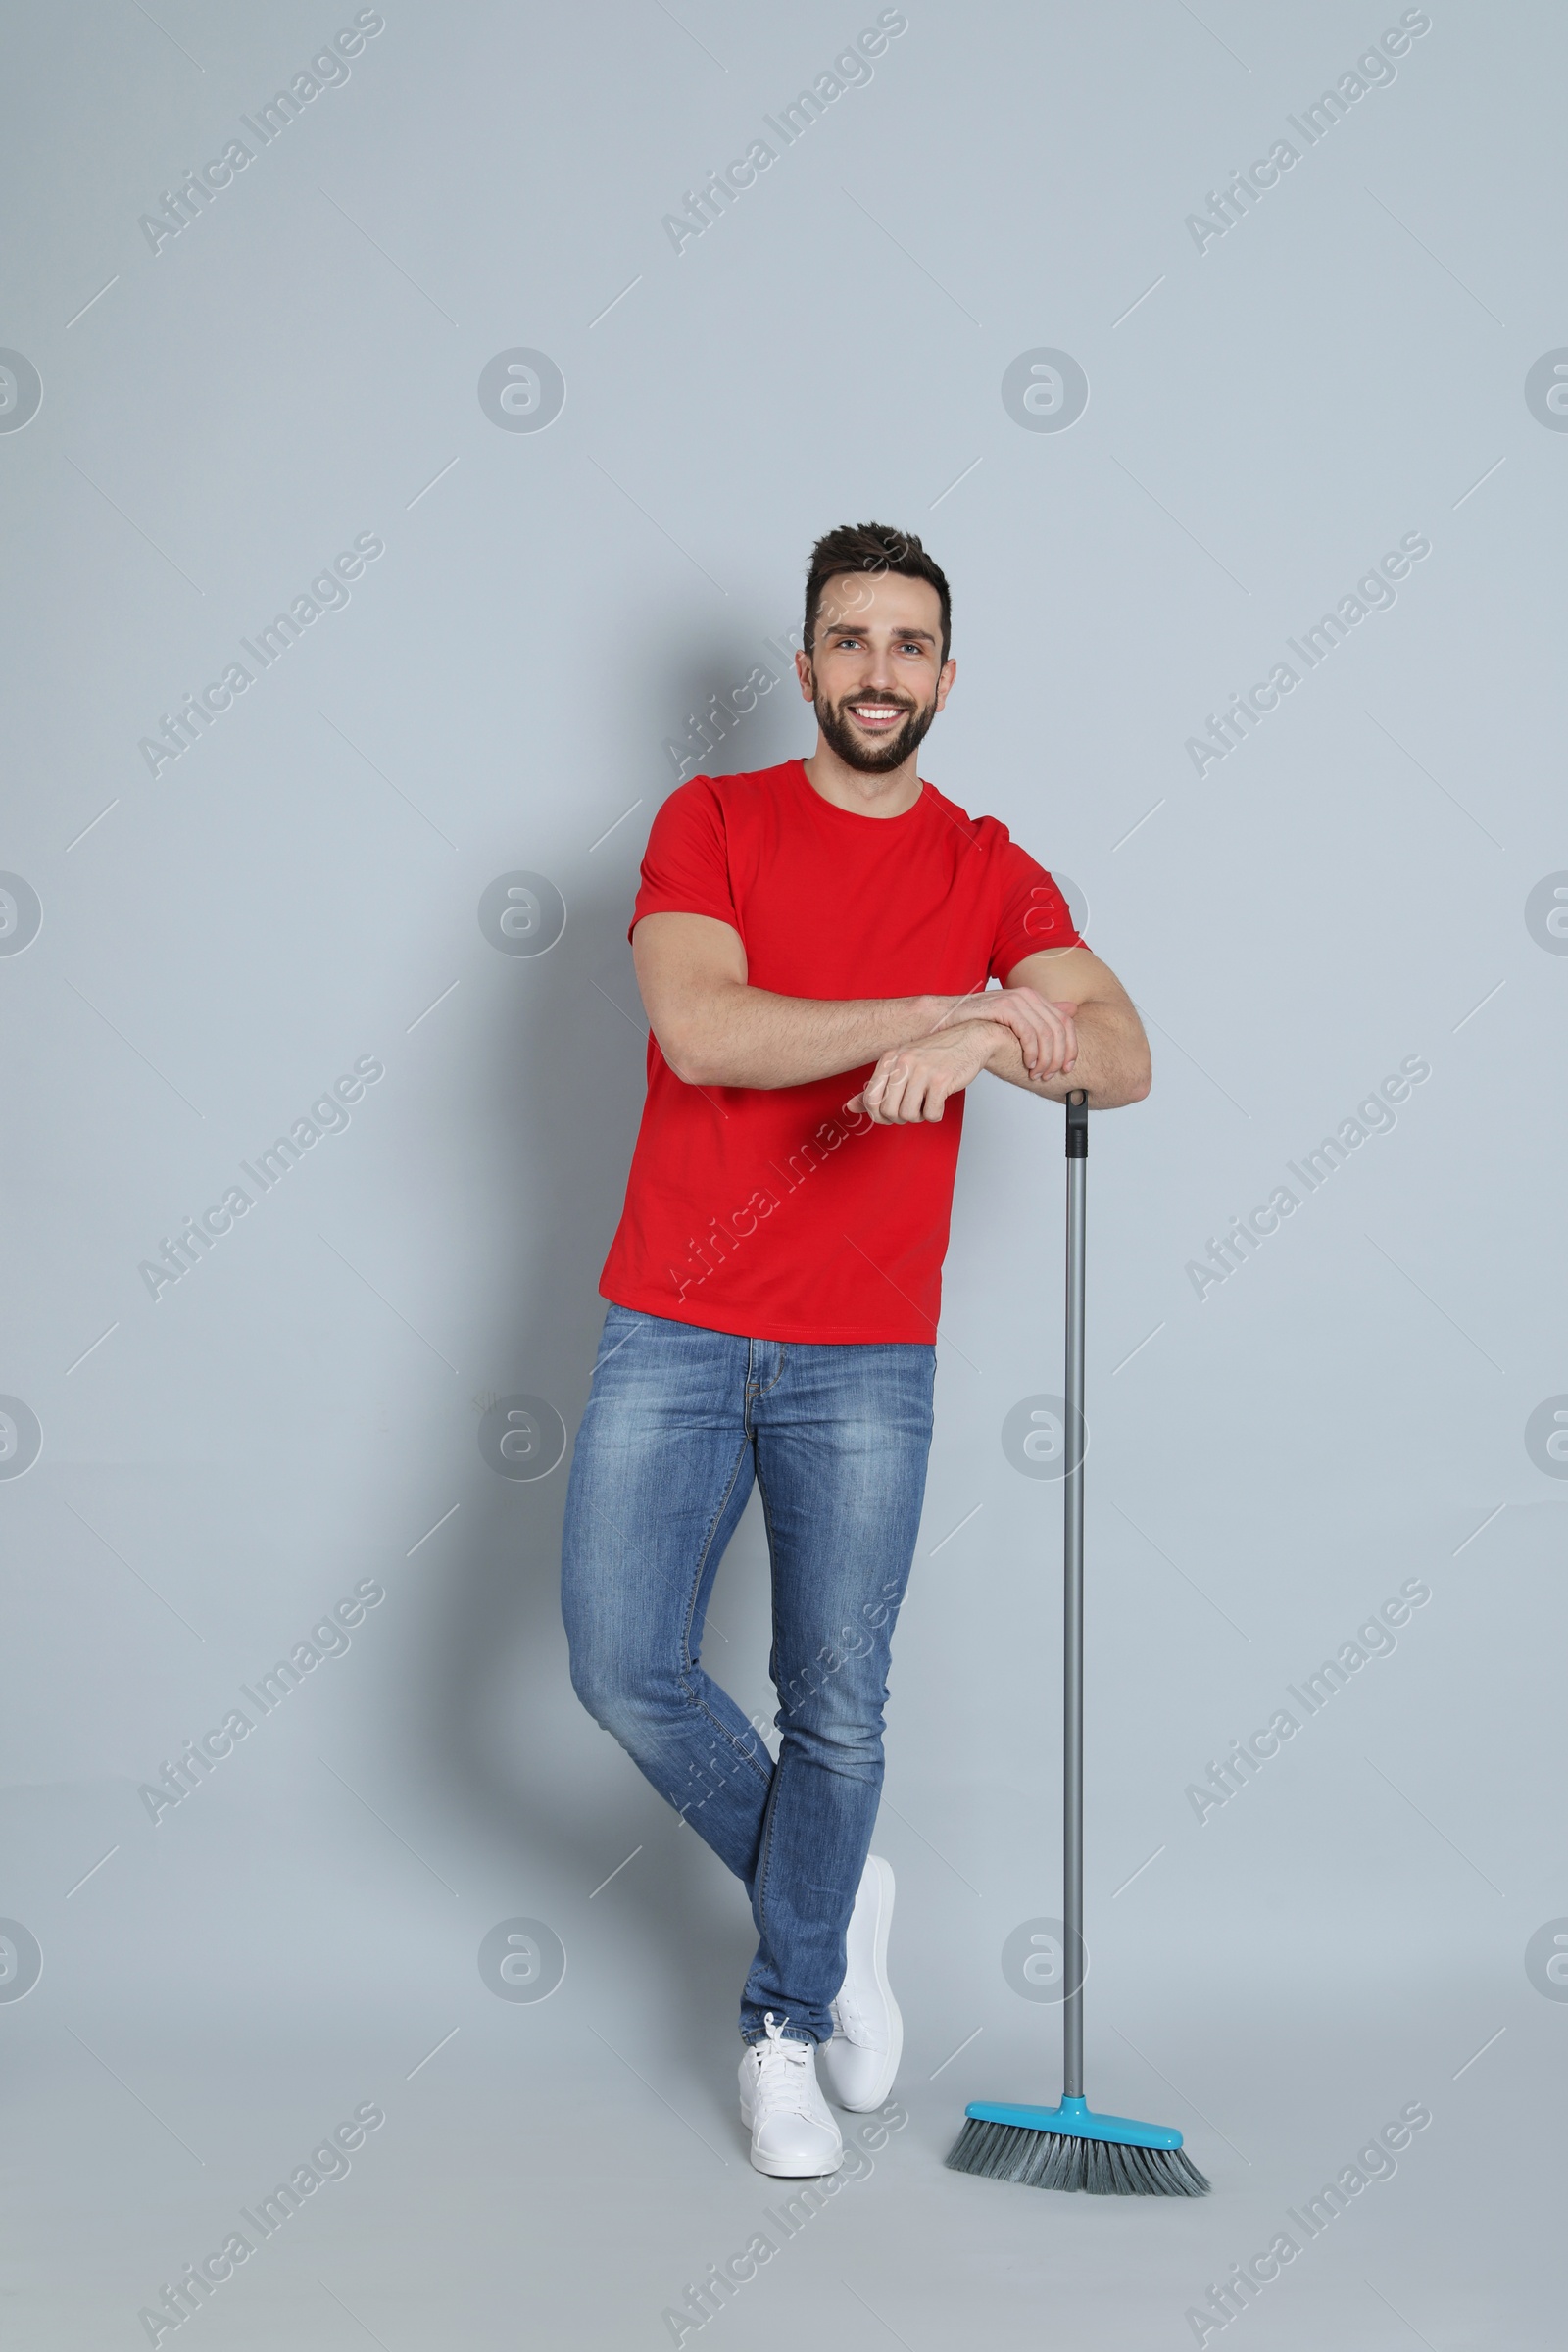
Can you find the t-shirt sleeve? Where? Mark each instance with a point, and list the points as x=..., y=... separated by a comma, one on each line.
x=686, y=864
x=1033, y=914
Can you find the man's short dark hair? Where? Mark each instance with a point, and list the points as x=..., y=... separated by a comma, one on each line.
x=876, y=548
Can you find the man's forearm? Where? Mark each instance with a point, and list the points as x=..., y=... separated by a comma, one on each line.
x=1113, y=1059
x=736, y=1035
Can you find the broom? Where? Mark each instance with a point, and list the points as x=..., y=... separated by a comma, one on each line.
x=1072, y=2145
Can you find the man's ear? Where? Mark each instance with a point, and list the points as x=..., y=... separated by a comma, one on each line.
x=803, y=671
x=945, y=677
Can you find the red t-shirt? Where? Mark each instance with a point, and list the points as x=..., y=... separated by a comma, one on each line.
x=770, y=1211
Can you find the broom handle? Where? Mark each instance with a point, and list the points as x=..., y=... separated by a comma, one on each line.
x=1072, y=1646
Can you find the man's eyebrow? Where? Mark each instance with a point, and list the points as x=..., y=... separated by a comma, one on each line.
x=850, y=628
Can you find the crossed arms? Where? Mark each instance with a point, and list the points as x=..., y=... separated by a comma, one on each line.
x=1063, y=1020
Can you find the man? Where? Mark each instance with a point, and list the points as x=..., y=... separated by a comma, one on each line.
x=813, y=944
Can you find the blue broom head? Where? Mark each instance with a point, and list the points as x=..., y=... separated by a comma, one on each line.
x=1072, y=2147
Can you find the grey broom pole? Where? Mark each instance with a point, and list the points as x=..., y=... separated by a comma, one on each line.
x=1071, y=2145
x=1072, y=1642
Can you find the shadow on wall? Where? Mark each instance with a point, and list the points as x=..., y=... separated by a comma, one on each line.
x=500, y=1724
x=738, y=708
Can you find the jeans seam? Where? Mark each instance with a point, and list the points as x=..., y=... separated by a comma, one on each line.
x=772, y=1578
x=765, y=1856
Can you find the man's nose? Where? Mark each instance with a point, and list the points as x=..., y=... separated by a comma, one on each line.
x=878, y=671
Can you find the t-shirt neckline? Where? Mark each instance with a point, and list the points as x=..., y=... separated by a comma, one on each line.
x=855, y=815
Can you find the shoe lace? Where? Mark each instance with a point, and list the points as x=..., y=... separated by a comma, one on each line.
x=784, y=2068
x=848, y=2022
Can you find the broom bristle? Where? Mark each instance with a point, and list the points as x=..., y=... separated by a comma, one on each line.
x=1060, y=2160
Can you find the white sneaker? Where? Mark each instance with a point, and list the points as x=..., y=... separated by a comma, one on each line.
x=863, y=2057
x=792, y=2134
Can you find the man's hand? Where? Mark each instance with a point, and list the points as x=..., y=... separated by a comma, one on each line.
x=914, y=1082
x=1043, y=1028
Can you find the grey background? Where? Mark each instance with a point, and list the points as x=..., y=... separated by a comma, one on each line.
x=301, y=889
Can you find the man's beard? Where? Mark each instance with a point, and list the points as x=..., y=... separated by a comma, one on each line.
x=879, y=758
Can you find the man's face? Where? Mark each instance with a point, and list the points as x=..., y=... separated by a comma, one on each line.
x=875, y=675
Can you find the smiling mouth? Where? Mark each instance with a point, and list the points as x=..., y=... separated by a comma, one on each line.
x=878, y=718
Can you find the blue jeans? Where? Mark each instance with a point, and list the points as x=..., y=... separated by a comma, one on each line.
x=679, y=1423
